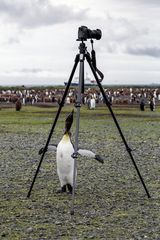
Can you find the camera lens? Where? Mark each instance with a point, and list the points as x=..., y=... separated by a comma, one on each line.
x=95, y=34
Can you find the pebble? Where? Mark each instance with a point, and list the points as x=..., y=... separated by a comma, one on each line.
x=29, y=230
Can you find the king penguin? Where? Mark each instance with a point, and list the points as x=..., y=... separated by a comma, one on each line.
x=64, y=159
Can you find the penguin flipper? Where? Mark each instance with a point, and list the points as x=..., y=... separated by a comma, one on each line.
x=90, y=154
x=51, y=147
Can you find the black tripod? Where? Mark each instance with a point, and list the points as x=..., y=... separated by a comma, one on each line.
x=80, y=58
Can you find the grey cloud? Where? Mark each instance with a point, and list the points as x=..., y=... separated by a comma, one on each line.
x=120, y=33
x=148, y=51
x=31, y=70
x=28, y=72
x=13, y=40
x=38, y=13
x=126, y=36
x=144, y=2
x=122, y=29
x=150, y=2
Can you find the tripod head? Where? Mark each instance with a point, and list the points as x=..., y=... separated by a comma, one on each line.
x=84, y=53
x=82, y=48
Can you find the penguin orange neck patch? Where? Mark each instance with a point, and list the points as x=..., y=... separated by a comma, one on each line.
x=66, y=137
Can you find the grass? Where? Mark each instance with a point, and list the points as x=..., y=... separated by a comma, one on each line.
x=110, y=201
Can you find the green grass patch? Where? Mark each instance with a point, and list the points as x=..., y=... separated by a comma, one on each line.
x=110, y=200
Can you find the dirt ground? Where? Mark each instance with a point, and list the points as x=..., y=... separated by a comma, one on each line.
x=110, y=201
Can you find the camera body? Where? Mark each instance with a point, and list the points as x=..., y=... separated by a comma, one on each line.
x=85, y=33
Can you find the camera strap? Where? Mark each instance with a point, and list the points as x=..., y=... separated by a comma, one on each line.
x=93, y=60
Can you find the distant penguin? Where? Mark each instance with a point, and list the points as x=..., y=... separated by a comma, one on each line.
x=92, y=103
x=18, y=105
x=64, y=159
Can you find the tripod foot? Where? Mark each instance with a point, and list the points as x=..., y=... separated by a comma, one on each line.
x=72, y=212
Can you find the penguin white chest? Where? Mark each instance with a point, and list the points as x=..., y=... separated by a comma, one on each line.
x=65, y=162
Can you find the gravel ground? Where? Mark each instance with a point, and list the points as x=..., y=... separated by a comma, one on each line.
x=110, y=200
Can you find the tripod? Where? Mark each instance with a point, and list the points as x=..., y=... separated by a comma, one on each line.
x=80, y=58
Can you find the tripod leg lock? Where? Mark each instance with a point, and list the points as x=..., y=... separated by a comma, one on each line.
x=61, y=104
x=128, y=149
x=77, y=104
x=43, y=150
x=75, y=155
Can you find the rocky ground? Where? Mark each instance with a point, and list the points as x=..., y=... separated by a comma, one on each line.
x=110, y=202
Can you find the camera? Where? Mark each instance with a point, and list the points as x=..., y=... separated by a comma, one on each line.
x=85, y=33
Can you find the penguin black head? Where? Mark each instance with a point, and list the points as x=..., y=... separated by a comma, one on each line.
x=68, y=122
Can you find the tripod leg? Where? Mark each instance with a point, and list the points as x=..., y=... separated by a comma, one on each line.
x=54, y=123
x=78, y=106
x=117, y=124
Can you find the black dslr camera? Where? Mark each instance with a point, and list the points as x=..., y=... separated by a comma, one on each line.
x=85, y=33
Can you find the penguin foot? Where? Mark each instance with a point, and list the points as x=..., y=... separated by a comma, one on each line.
x=62, y=190
x=70, y=193
x=59, y=191
x=70, y=188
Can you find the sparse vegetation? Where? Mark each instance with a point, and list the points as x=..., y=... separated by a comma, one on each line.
x=110, y=200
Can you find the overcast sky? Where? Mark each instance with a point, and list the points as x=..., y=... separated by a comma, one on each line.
x=38, y=40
